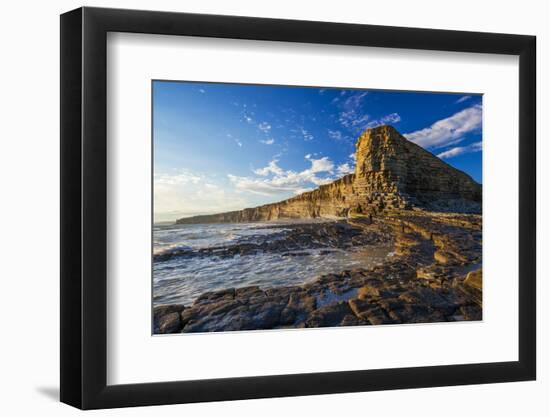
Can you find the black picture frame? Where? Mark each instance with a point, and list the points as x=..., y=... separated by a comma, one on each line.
x=84, y=207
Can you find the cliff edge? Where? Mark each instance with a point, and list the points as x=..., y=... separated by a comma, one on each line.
x=391, y=174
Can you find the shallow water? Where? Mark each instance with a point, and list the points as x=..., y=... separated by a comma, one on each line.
x=182, y=280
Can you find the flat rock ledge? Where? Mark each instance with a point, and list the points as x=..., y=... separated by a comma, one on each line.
x=434, y=276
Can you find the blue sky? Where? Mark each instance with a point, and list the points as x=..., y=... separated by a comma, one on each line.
x=220, y=147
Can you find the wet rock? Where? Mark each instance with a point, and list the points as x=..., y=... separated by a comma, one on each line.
x=423, y=282
x=474, y=279
x=170, y=323
x=329, y=316
x=415, y=313
x=246, y=292
x=220, y=308
x=351, y=320
x=264, y=316
x=302, y=302
x=471, y=287
x=282, y=291
x=236, y=317
x=359, y=307
x=160, y=311
x=428, y=297
x=291, y=241
x=377, y=316
x=369, y=312
x=471, y=312
x=367, y=292
x=187, y=315
x=426, y=273
x=210, y=296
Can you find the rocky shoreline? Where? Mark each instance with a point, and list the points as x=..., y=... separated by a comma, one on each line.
x=434, y=276
x=291, y=239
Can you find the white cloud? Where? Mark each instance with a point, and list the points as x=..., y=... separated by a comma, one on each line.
x=269, y=141
x=449, y=130
x=278, y=182
x=184, y=193
x=202, y=91
x=271, y=168
x=323, y=164
x=259, y=186
x=459, y=150
x=344, y=169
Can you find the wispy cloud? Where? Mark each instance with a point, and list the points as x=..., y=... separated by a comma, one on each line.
x=463, y=99
x=352, y=114
x=264, y=127
x=460, y=150
x=269, y=141
x=335, y=135
x=450, y=130
x=391, y=118
x=304, y=133
x=234, y=139
x=202, y=90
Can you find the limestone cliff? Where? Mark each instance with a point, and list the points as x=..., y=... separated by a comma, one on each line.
x=391, y=173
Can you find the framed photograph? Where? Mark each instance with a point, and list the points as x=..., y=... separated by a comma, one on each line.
x=257, y=208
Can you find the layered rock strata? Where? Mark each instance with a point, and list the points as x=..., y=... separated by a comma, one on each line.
x=391, y=173
x=434, y=276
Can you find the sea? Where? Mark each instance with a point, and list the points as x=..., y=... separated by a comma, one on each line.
x=182, y=279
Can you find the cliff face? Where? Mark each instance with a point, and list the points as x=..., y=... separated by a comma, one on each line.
x=391, y=173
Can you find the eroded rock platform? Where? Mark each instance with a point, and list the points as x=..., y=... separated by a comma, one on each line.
x=434, y=275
